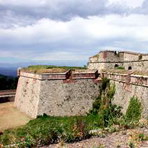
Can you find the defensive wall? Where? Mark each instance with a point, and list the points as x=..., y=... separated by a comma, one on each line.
x=57, y=94
x=127, y=86
x=72, y=93
x=113, y=59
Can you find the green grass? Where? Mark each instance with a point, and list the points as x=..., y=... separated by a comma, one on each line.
x=46, y=130
x=46, y=68
x=120, y=67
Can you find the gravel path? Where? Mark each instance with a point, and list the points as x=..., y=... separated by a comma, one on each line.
x=115, y=140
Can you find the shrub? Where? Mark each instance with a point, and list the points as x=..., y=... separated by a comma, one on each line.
x=103, y=106
x=134, y=110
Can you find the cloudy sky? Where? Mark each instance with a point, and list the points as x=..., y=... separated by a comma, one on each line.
x=70, y=30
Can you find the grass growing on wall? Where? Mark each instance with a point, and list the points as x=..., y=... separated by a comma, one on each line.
x=46, y=68
x=120, y=67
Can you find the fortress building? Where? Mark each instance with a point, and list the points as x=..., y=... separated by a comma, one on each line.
x=113, y=59
x=66, y=93
x=72, y=92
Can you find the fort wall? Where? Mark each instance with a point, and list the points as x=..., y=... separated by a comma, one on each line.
x=73, y=92
x=112, y=59
x=55, y=94
x=128, y=86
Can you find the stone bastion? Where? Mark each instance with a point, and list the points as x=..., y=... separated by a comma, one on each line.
x=70, y=93
x=57, y=94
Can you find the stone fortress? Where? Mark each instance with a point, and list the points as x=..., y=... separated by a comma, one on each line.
x=113, y=59
x=72, y=93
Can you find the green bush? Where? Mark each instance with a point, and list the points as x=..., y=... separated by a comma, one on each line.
x=103, y=106
x=134, y=110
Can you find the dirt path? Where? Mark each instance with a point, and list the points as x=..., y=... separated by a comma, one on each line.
x=10, y=117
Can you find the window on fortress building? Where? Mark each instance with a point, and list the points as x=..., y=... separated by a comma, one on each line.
x=116, y=65
x=130, y=68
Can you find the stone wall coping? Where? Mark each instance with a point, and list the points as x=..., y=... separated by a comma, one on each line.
x=123, y=51
x=62, y=73
x=114, y=73
x=132, y=75
x=61, y=76
x=140, y=76
x=44, y=76
x=121, y=61
x=138, y=80
x=84, y=72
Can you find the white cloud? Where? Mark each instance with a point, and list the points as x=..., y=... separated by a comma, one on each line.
x=33, y=3
x=128, y=3
x=111, y=26
x=76, y=39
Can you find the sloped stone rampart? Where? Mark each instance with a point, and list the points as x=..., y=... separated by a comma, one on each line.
x=38, y=94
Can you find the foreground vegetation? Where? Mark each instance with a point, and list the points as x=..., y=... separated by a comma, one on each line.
x=104, y=115
x=7, y=82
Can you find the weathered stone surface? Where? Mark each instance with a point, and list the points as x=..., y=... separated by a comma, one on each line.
x=128, y=86
x=124, y=92
x=111, y=59
x=67, y=99
x=55, y=97
x=27, y=95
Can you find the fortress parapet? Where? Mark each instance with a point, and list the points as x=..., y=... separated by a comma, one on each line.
x=76, y=74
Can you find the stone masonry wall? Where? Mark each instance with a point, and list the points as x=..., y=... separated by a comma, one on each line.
x=67, y=99
x=128, y=86
x=27, y=95
x=111, y=59
x=38, y=94
x=138, y=66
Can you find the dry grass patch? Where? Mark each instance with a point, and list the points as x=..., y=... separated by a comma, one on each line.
x=10, y=117
x=49, y=69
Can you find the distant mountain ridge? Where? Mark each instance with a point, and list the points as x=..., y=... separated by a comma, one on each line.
x=8, y=71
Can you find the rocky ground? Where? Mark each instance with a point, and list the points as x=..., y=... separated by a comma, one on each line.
x=123, y=139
